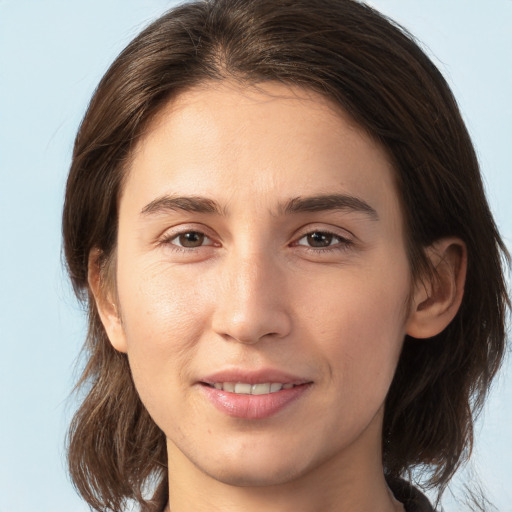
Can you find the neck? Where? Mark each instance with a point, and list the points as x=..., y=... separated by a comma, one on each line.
x=350, y=481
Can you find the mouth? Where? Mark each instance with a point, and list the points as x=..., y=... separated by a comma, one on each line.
x=246, y=388
x=254, y=396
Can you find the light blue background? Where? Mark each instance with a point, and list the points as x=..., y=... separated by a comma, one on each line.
x=52, y=54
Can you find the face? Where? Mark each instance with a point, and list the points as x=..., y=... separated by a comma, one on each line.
x=262, y=282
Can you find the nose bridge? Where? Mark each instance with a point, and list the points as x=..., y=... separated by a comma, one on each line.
x=248, y=272
x=251, y=303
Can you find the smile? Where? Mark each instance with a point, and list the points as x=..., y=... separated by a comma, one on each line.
x=250, y=401
x=244, y=388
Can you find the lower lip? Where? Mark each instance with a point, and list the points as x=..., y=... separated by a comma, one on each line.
x=253, y=407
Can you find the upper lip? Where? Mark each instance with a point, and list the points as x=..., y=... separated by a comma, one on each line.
x=254, y=377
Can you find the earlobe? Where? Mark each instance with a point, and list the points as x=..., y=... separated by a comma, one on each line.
x=437, y=298
x=105, y=300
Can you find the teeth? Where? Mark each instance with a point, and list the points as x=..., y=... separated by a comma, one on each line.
x=260, y=389
x=244, y=388
x=228, y=386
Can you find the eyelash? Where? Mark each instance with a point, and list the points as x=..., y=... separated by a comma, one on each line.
x=342, y=244
x=168, y=240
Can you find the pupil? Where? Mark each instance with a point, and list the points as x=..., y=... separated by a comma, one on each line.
x=319, y=239
x=191, y=239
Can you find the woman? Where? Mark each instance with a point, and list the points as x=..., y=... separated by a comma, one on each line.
x=276, y=218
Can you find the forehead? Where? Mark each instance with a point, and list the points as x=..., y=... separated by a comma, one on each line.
x=263, y=144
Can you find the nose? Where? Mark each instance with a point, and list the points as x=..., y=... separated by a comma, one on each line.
x=252, y=303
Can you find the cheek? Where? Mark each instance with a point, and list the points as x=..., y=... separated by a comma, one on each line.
x=162, y=326
x=362, y=328
x=159, y=304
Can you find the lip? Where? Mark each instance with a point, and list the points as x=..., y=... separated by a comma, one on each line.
x=254, y=377
x=253, y=407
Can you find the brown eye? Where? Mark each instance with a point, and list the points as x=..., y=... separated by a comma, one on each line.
x=190, y=239
x=319, y=239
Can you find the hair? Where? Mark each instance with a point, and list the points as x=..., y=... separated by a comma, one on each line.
x=376, y=72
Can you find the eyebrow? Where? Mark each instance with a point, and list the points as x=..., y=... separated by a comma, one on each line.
x=317, y=203
x=328, y=202
x=195, y=204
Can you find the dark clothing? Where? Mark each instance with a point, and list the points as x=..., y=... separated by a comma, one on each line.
x=412, y=499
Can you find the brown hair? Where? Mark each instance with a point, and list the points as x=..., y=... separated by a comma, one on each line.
x=377, y=73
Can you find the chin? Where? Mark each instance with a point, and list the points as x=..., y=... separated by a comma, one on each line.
x=260, y=464
x=243, y=476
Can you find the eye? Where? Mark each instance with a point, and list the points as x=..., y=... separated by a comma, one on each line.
x=188, y=239
x=322, y=239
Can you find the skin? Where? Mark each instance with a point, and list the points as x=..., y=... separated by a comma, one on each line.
x=326, y=295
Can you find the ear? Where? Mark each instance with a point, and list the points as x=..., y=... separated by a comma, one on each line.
x=437, y=298
x=103, y=291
